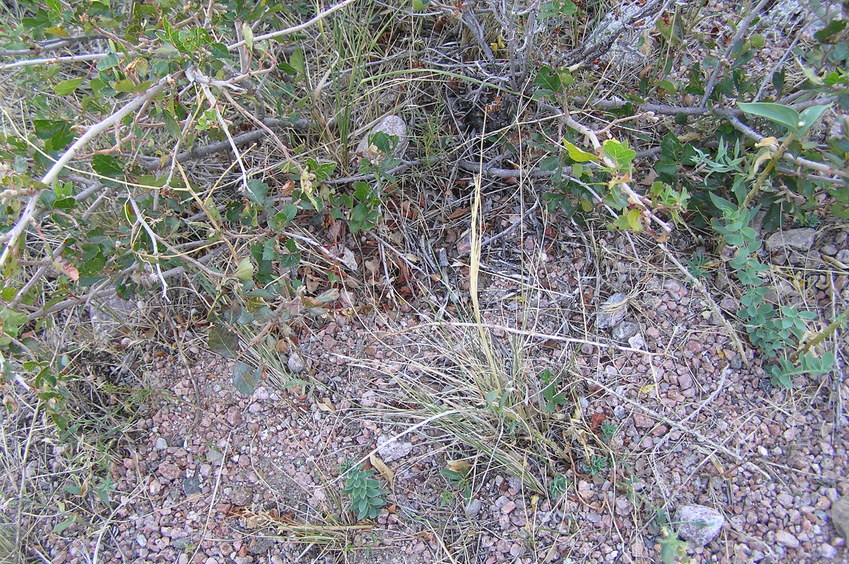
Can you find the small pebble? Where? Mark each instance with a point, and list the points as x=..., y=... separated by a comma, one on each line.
x=786, y=539
x=295, y=363
x=828, y=551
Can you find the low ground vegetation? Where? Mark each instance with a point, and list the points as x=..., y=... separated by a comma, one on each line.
x=518, y=255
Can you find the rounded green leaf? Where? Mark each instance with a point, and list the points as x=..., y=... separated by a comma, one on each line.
x=578, y=155
x=245, y=272
x=67, y=86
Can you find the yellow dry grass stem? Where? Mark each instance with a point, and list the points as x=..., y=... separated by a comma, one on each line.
x=494, y=381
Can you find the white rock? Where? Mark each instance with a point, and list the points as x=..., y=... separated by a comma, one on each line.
x=295, y=363
x=390, y=125
x=788, y=540
x=637, y=341
x=473, y=507
x=611, y=311
x=624, y=331
x=161, y=444
x=392, y=450
x=800, y=239
x=827, y=551
x=698, y=524
x=840, y=516
x=214, y=457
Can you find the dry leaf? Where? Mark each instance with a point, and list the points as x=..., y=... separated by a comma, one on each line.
x=381, y=467
x=69, y=269
x=647, y=389
x=349, y=259
x=458, y=466
x=596, y=420
x=326, y=405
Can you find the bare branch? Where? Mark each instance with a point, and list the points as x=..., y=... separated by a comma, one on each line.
x=32, y=208
x=744, y=27
x=57, y=60
x=294, y=29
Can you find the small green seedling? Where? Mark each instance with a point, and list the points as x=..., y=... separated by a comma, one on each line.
x=367, y=497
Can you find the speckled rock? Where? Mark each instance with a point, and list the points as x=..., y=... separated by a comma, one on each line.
x=624, y=331
x=840, y=516
x=473, y=507
x=698, y=524
x=611, y=312
x=800, y=239
x=295, y=363
x=786, y=539
x=390, y=125
x=390, y=450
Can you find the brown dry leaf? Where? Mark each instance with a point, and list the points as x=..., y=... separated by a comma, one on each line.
x=596, y=420
x=326, y=405
x=649, y=178
x=287, y=189
x=459, y=212
x=334, y=231
x=348, y=258
x=459, y=466
x=372, y=266
x=69, y=269
x=381, y=467
x=662, y=237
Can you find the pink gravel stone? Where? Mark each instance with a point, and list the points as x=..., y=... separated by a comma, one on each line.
x=168, y=471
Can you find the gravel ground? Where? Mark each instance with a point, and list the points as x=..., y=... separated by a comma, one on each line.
x=216, y=476
x=213, y=476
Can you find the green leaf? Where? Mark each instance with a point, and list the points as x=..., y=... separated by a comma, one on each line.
x=128, y=85
x=56, y=133
x=629, y=221
x=245, y=272
x=223, y=341
x=668, y=86
x=109, y=61
x=248, y=35
x=620, y=153
x=721, y=203
x=67, y=86
x=245, y=378
x=548, y=79
x=257, y=191
x=107, y=165
x=64, y=524
x=296, y=61
x=219, y=51
x=833, y=27
x=809, y=117
x=578, y=155
x=171, y=125
x=777, y=113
